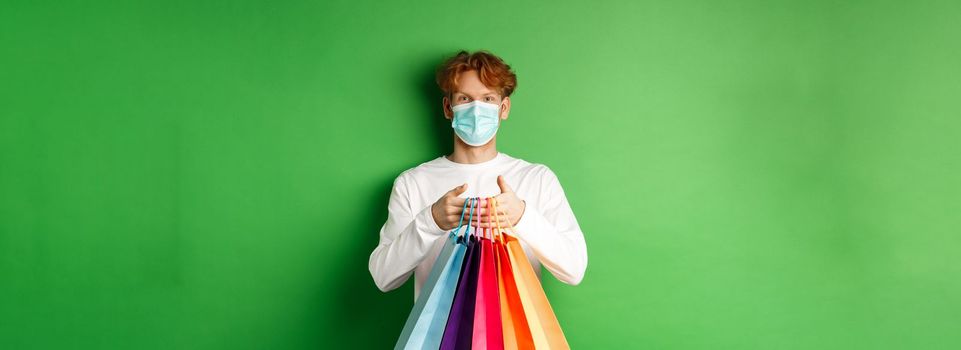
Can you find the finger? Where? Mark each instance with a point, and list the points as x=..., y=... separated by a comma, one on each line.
x=456, y=202
x=491, y=226
x=455, y=210
x=495, y=222
x=487, y=212
x=503, y=226
x=457, y=191
x=503, y=184
x=486, y=215
x=454, y=220
x=500, y=219
x=485, y=202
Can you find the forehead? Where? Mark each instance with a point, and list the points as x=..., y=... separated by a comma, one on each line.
x=469, y=83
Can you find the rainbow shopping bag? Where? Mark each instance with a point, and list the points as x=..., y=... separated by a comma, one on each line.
x=425, y=324
x=517, y=335
x=545, y=330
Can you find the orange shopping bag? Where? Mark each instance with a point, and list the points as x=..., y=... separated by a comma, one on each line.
x=517, y=335
x=538, y=315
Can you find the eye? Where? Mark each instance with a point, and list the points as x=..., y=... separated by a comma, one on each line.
x=463, y=98
x=489, y=98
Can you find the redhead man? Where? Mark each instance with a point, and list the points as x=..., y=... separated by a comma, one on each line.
x=426, y=201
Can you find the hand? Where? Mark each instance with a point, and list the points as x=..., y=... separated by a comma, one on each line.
x=510, y=208
x=447, y=209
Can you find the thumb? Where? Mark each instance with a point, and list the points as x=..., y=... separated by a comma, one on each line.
x=459, y=189
x=503, y=184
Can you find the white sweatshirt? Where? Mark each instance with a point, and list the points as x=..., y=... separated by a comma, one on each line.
x=410, y=240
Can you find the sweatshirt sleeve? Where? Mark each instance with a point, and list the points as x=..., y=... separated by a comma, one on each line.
x=405, y=239
x=551, y=230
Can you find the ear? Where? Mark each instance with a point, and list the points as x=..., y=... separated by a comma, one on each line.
x=505, y=108
x=445, y=105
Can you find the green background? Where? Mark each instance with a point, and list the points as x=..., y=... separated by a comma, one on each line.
x=213, y=174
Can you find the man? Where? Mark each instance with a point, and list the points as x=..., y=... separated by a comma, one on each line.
x=426, y=201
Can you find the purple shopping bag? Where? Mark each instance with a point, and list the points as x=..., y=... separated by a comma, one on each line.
x=460, y=325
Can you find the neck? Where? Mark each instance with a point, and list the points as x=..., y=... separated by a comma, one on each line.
x=467, y=154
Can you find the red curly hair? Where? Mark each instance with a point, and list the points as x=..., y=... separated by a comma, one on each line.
x=492, y=70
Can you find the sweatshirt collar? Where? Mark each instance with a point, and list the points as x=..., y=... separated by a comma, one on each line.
x=497, y=159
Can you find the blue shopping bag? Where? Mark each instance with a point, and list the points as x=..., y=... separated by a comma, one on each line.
x=425, y=324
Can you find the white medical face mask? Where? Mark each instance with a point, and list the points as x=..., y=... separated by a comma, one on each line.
x=476, y=122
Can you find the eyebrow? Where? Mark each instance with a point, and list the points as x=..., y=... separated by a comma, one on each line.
x=484, y=94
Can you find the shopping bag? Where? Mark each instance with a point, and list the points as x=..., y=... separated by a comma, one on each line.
x=545, y=330
x=517, y=334
x=428, y=318
x=459, y=330
x=488, y=332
